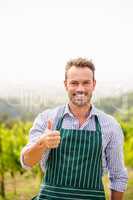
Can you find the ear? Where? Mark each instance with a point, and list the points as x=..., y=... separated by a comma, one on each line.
x=65, y=84
x=94, y=84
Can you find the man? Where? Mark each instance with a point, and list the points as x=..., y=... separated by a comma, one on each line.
x=75, y=142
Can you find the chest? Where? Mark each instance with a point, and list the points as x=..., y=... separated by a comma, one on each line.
x=82, y=124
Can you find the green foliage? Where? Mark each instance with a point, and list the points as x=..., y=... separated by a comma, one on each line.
x=126, y=121
x=13, y=137
x=128, y=149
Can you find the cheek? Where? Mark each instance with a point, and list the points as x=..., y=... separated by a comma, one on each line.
x=71, y=91
x=90, y=88
x=70, y=88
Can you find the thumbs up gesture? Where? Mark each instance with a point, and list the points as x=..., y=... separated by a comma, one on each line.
x=50, y=139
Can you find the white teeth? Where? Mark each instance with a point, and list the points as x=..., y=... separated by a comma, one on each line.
x=80, y=95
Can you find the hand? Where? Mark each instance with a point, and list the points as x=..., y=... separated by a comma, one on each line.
x=50, y=139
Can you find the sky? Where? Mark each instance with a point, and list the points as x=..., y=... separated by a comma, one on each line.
x=37, y=38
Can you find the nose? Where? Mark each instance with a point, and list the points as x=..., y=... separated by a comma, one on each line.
x=80, y=88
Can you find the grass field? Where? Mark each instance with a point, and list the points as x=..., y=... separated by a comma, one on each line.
x=27, y=186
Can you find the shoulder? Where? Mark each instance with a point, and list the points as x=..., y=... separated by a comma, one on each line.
x=109, y=123
x=53, y=112
x=106, y=118
x=49, y=114
x=111, y=129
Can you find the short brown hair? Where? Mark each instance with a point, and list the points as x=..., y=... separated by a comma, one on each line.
x=80, y=62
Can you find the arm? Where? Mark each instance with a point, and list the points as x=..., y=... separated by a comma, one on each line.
x=36, y=131
x=49, y=139
x=115, y=163
x=115, y=195
x=33, y=154
x=37, y=148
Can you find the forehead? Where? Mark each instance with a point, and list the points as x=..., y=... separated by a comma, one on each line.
x=77, y=73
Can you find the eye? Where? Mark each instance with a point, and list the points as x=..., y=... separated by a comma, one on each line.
x=74, y=83
x=87, y=83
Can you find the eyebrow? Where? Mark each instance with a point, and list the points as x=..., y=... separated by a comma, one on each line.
x=79, y=80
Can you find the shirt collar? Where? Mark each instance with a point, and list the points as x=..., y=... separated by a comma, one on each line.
x=93, y=112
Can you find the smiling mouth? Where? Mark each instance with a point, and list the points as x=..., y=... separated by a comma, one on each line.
x=80, y=95
x=80, y=98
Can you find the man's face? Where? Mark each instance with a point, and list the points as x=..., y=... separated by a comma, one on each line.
x=80, y=85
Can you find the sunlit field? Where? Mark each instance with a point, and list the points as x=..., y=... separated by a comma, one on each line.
x=27, y=185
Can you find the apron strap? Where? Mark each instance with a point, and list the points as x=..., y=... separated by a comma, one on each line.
x=59, y=123
x=60, y=120
x=98, y=126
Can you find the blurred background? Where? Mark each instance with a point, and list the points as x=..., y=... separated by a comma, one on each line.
x=37, y=38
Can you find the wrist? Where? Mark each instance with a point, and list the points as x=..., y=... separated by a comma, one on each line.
x=41, y=144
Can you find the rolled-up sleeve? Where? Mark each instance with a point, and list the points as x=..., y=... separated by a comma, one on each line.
x=36, y=131
x=115, y=160
x=22, y=157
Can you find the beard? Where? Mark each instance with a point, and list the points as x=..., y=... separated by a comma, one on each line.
x=80, y=99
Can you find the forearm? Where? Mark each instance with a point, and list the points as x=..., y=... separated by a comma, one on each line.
x=115, y=195
x=34, y=154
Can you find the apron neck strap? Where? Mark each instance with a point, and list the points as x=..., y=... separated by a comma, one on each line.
x=59, y=123
x=98, y=127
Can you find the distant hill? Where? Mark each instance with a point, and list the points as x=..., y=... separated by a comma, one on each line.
x=117, y=104
x=23, y=101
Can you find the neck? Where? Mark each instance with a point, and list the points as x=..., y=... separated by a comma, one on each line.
x=80, y=112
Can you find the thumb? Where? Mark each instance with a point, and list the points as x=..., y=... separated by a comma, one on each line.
x=49, y=124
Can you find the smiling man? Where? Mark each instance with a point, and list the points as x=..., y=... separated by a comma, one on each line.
x=75, y=142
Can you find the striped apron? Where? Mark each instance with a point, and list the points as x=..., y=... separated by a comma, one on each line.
x=74, y=169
